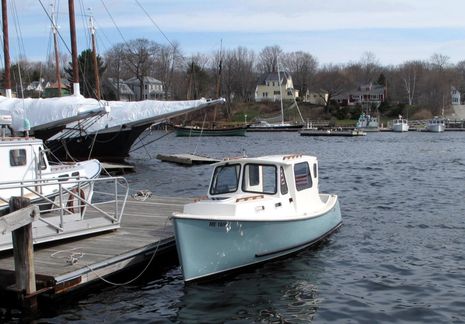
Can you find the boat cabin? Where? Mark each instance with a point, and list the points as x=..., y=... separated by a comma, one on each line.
x=292, y=178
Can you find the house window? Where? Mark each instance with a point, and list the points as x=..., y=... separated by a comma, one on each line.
x=276, y=93
x=289, y=93
x=17, y=157
x=145, y=87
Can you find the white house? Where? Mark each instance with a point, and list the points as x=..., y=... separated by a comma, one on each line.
x=455, y=96
x=153, y=88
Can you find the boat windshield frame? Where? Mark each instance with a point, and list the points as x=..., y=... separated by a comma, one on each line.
x=221, y=182
x=268, y=171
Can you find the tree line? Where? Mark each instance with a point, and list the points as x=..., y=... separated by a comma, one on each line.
x=233, y=73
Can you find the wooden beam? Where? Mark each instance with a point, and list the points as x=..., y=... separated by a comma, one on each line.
x=24, y=256
x=19, y=218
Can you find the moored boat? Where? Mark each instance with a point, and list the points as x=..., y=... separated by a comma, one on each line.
x=199, y=131
x=400, y=125
x=64, y=193
x=367, y=123
x=436, y=125
x=257, y=209
x=264, y=126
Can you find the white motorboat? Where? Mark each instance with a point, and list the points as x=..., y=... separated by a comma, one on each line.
x=257, y=209
x=63, y=192
x=400, y=125
x=367, y=123
x=436, y=125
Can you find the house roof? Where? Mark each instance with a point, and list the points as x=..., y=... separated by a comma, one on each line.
x=273, y=76
x=147, y=80
x=124, y=89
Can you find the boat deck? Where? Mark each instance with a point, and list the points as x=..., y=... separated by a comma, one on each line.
x=63, y=265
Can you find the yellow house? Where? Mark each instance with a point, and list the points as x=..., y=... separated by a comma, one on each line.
x=268, y=87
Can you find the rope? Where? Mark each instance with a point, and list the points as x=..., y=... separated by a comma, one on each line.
x=200, y=136
x=75, y=257
x=142, y=195
x=143, y=145
x=140, y=274
x=72, y=258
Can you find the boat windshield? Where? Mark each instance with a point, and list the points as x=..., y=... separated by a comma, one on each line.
x=225, y=179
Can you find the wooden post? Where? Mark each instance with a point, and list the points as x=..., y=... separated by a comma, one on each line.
x=24, y=256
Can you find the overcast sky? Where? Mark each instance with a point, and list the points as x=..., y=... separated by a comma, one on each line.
x=334, y=31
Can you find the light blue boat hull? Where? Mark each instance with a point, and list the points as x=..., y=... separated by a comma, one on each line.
x=209, y=247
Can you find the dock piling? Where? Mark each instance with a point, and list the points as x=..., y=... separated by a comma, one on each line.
x=23, y=252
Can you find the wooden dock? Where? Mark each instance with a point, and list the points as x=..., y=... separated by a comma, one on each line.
x=186, y=159
x=70, y=264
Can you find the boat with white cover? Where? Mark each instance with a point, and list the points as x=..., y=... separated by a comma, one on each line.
x=257, y=209
x=63, y=192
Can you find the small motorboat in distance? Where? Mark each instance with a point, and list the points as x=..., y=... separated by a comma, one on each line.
x=257, y=209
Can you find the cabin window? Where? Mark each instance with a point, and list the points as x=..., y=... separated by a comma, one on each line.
x=18, y=157
x=303, y=178
x=283, y=182
x=42, y=161
x=225, y=179
x=315, y=170
x=259, y=178
x=63, y=177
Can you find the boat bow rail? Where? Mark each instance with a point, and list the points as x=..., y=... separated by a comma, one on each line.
x=75, y=208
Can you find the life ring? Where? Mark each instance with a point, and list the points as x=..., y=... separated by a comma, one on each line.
x=79, y=202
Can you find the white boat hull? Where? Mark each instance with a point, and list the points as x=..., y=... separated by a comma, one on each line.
x=436, y=128
x=210, y=246
x=400, y=127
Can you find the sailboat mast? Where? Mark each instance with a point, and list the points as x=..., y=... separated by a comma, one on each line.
x=72, y=29
x=6, y=51
x=94, y=58
x=218, y=80
x=280, y=92
x=57, y=55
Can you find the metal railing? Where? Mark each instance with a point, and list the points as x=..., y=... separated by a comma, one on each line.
x=58, y=198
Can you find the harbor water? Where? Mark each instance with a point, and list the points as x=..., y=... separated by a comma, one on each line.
x=399, y=256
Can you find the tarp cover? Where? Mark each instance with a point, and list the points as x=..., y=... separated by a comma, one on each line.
x=52, y=111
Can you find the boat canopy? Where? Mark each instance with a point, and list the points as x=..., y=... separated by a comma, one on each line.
x=38, y=113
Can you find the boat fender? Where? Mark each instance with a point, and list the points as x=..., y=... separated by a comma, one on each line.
x=72, y=197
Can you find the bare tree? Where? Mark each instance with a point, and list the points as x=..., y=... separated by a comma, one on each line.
x=238, y=78
x=331, y=80
x=139, y=55
x=302, y=67
x=268, y=59
x=409, y=73
x=168, y=60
